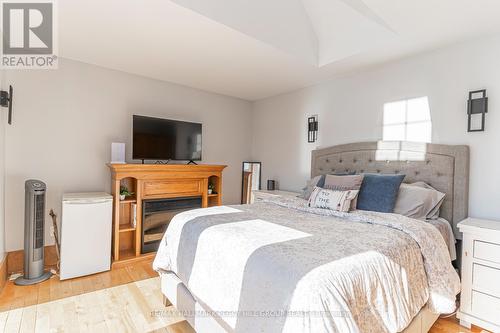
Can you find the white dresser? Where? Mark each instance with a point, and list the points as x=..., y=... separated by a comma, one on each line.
x=261, y=194
x=480, y=297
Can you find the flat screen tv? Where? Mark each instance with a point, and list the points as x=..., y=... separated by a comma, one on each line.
x=165, y=139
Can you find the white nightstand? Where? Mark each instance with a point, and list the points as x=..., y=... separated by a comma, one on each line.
x=480, y=297
x=261, y=194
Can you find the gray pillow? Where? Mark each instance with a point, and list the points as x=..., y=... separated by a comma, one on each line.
x=419, y=201
x=319, y=181
x=344, y=183
x=310, y=185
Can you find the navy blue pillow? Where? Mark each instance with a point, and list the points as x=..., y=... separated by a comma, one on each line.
x=378, y=193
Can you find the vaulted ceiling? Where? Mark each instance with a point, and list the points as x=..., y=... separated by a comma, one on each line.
x=253, y=49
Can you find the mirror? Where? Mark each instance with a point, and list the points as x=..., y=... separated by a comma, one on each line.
x=251, y=175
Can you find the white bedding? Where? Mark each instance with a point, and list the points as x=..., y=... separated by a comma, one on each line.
x=280, y=266
x=446, y=231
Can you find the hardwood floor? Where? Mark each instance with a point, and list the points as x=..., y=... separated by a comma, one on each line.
x=450, y=325
x=132, y=307
x=15, y=297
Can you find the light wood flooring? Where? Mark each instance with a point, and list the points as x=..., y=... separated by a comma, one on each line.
x=121, y=300
x=132, y=307
x=13, y=296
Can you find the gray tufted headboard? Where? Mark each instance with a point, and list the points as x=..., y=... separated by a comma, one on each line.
x=444, y=167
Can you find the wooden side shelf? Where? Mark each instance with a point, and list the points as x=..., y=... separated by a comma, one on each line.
x=127, y=201
x=127, y=254
x=154, y=181
x=126, y=228
x=215, y=199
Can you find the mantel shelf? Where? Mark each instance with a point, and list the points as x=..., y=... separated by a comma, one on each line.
x=127, y=201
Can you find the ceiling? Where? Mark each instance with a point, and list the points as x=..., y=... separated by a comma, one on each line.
x=254, y=49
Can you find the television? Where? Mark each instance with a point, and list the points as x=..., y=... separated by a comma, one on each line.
x=165, y=139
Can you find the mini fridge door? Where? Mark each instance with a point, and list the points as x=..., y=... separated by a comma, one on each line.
x=85, y=236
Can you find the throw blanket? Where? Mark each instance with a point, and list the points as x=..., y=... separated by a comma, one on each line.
x=280, y=266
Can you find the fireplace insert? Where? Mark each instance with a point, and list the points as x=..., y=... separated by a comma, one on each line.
x=156, y=215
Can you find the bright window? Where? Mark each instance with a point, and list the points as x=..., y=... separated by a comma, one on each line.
x=408, y=120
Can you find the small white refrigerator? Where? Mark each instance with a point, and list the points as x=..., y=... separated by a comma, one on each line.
x=85, y=234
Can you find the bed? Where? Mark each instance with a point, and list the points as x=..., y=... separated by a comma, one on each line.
x=281, y=266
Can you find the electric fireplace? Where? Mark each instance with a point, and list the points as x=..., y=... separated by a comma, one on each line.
x=157, y=214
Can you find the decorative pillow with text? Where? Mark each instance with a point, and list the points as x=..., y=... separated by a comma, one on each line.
x=331, y=199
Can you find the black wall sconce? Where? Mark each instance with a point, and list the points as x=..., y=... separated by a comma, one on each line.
x=6, y=101
x=312, y=129
x=477, y=107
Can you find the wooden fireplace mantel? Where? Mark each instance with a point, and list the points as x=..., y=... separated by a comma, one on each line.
x=155, y=181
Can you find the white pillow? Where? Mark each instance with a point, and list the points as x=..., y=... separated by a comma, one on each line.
x=331, y=199
x=419, y=201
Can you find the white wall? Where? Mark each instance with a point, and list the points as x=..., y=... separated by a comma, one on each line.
x=65, y=120
x=350, y=110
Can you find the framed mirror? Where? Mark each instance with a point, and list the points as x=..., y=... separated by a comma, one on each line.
x=251, y=174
